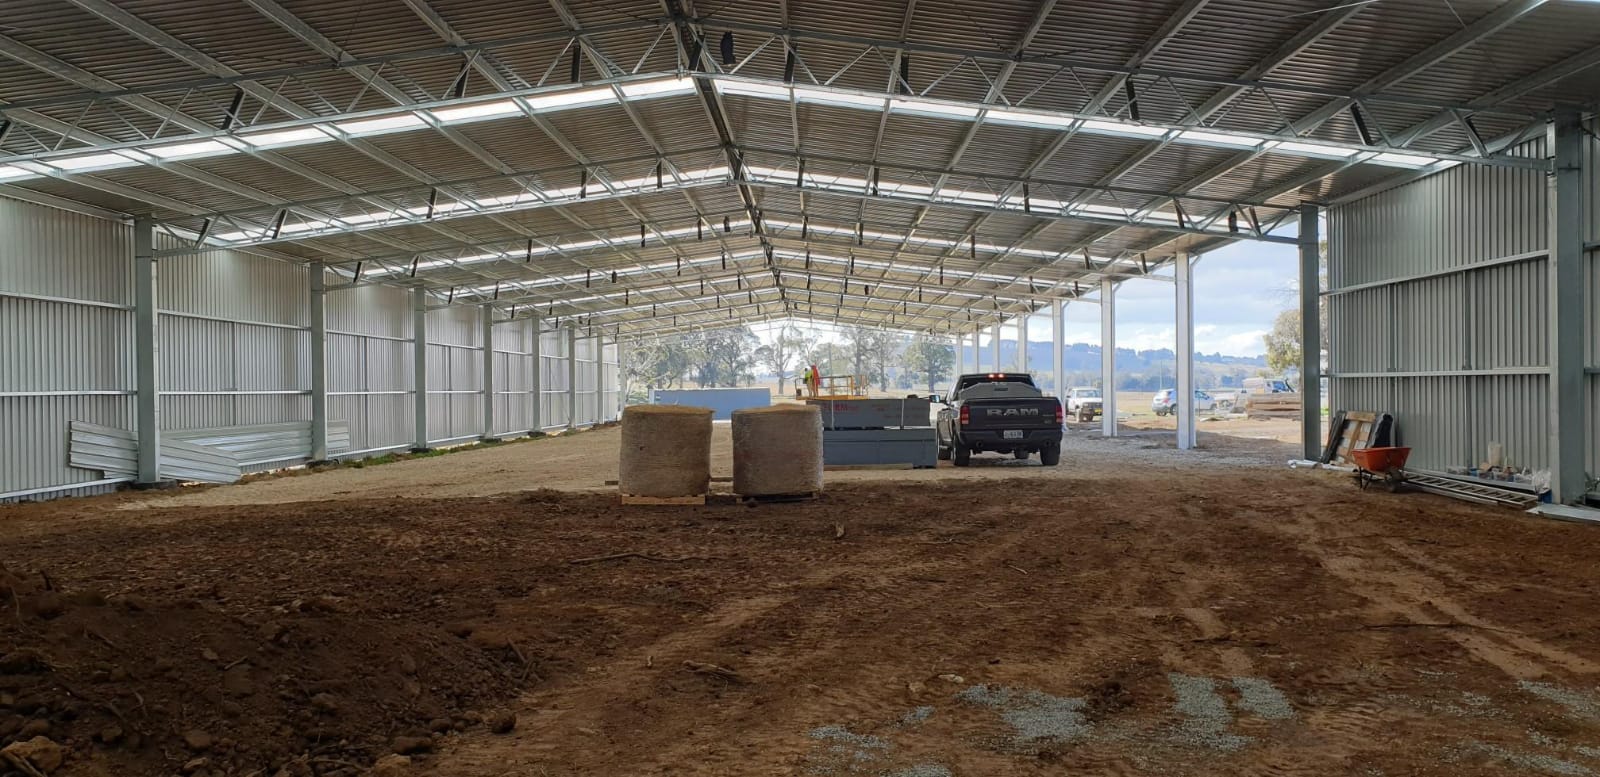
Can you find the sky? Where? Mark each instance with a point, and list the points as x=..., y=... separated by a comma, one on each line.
x=1238, y=292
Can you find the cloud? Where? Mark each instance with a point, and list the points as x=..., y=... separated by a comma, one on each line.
x=1238, y=292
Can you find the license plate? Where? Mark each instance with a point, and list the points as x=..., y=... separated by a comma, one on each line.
x=1013, y=434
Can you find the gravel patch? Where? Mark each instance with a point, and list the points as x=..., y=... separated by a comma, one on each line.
x=916, y=716
x=1206, y=716
x=843, y=736
x=1262, y=698
x=1034, y=716
x=924, y=770
x=1522, y=761
x=1583, y=705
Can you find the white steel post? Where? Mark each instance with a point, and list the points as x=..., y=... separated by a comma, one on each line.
x=537, y=382
x=1022, y=341
x=147, y=355
x=1310, y=334
x=600, y=378
x=1569, y=480
x=488, y=372
x=960, y=344
x=1058, y=330
x=1108, y=357
x=572, y=375
x=317, y=277
x=419, y=366
x=1183, y=272
x=995, y=342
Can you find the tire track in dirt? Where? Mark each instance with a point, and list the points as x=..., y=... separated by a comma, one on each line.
x=628, y=682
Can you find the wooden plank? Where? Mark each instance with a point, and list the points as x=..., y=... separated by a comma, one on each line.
x=772, y=498
x=714, y=479
x=630, y=499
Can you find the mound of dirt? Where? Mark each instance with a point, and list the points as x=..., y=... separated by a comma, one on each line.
x=148, y=684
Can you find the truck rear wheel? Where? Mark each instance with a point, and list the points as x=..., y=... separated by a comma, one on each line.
x=1050, y=456
x=962, y=455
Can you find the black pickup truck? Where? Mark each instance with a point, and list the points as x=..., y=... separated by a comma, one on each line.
x=1002, y=412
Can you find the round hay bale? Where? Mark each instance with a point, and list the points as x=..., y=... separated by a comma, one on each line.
x=777, y=451
x=666, y=451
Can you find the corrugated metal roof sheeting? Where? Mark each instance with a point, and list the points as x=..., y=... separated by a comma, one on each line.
x=1087, y=159
x=83, y=40
x=1226, y=38
x=496, y=19
x=603, y=132
x=1105, y=32
x=1005, y=150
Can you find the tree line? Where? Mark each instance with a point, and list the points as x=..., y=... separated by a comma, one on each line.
x=734, y=356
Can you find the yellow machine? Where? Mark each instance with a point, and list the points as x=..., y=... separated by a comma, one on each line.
x=836, y=387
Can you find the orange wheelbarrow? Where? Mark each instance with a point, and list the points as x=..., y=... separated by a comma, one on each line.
x=1380, y=465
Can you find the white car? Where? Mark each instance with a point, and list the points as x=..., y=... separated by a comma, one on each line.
x=1164, y=401
x=1084, y=403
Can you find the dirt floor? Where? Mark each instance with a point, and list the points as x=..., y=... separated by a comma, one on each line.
x=586, y=460
x=1135, y=611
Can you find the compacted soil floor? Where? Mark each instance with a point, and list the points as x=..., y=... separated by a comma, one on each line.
x=1140, y=618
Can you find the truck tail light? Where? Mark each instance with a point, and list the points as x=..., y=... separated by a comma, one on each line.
x=1061, y=414
x=966, y=416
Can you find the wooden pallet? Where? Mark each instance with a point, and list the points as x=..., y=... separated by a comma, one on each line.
x=1353, y=432
x=630, y=499
x=777, y=498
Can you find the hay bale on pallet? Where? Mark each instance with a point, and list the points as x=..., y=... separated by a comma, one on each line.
x=777, y=451
x=666, y=451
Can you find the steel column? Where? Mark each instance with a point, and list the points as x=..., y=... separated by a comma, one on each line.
x=1108, y=357
x=419, y=366
x=1311, y=333
x=317, y=279
x=147, y=355
x=537, y=382
x=488, y=372
x=599, y=378
x=1183, y=268
x=1568, y=421
x=1058, y=336
x=995, y=342
x=572, y=376
x=960, y=345
x=1022, y=342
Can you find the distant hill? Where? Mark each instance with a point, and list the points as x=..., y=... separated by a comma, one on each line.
x=1136, y=370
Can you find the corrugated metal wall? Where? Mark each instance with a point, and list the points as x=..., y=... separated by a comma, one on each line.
x=553, y=372
x=235, y=351
x=235, y=341
x=1438, y=313
x=1592, y=186
x=64, y=290
x=369, y=365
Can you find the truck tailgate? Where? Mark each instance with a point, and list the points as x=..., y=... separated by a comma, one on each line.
x=1019, y=413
